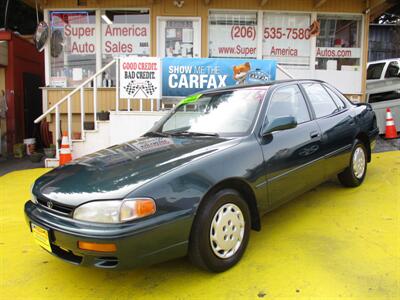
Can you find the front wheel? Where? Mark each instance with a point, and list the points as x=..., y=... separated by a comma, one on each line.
x=220, y=231
x=355, y=173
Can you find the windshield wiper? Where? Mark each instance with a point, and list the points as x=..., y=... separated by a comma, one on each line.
x=194, y=133
x=156, y=133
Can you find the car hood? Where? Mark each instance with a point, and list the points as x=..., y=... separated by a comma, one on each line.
x=114, y=172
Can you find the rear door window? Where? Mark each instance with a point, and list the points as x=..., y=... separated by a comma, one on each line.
x=374, y=71
x=321, y=102
x=392, y=70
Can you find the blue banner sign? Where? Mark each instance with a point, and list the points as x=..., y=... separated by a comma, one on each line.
x=184, y=76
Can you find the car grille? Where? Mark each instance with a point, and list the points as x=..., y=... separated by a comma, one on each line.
x=60, y=208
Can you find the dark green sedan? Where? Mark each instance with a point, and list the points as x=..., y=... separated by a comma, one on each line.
x=201, y=178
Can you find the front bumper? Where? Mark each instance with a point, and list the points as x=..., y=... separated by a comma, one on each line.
x=146, y=242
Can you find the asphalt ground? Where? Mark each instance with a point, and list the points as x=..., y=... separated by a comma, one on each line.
x=332, y=242
x=11, y=164
x=383, y=145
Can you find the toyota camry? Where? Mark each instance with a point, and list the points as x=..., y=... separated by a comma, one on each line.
x=199, y=181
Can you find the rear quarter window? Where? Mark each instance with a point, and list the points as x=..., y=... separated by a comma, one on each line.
x=339, y=102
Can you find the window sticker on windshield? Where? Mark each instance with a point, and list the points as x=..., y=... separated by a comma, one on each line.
x=190, y=99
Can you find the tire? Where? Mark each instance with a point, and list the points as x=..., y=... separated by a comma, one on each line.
x=225, y=209
x=355, y=173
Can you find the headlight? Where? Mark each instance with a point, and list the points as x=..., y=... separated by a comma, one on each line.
x=99, y=211
x=115, y=211
x=33, y=197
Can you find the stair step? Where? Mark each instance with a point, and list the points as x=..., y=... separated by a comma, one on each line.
x=51, y=163
x=93, y=131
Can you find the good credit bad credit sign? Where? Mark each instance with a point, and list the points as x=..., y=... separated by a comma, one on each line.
x=140, y=77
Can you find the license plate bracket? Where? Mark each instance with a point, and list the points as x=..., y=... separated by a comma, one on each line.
x=41, y=236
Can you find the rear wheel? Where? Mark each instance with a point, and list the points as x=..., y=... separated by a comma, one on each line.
x=220, y=231
x=355, y=173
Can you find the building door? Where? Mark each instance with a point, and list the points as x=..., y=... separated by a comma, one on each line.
x=32, y=104
x=179, y=37
x=3, y=112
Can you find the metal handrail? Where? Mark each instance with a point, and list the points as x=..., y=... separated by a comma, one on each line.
x=37, y=120
x=68, y=98
x=279, y=67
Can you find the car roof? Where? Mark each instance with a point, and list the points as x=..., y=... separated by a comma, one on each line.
x=259, y=85
x=383, y=61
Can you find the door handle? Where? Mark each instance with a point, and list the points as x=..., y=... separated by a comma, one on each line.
x=314, y=134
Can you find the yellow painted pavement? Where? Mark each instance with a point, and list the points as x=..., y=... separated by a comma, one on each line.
x=332, y=242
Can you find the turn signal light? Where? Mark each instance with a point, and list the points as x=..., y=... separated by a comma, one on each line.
x=145, y=207
x=97, y=247
x=137, y=208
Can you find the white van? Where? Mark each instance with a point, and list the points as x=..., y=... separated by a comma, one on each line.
x=383, y=90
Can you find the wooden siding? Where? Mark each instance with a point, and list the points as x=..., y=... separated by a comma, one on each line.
x=191, y=7
x=105, y=101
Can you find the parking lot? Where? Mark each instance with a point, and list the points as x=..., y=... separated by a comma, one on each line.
x=330, y=242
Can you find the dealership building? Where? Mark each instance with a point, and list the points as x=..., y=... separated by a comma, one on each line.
x=319, y=39
x=94, y=32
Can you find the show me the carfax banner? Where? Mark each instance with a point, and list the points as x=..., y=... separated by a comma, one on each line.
x=184, y=76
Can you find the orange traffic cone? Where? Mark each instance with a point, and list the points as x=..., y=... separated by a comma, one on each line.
x=391, y=132
x=65, y=151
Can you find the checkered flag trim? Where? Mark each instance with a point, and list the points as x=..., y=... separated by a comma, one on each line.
x=133, y=87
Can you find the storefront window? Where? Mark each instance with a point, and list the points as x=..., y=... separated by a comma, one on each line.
x=286, y=38
x=72, y=47
x=232, y=34
x=179, y=38
x=123, y=33
x=339, y=43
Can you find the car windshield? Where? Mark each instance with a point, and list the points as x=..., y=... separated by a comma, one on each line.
x=227, y=113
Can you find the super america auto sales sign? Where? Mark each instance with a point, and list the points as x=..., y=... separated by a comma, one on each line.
x=117, y=39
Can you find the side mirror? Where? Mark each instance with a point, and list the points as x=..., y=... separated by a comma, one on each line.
x=278, y=124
